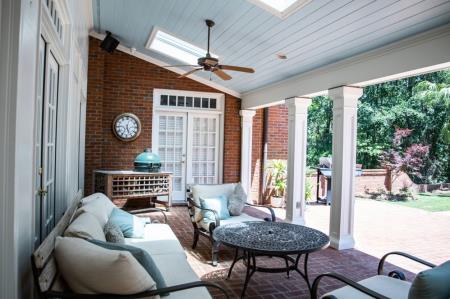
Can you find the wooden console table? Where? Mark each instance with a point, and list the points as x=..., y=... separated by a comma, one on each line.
x=118, y=184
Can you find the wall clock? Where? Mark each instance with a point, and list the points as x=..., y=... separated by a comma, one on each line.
x=127, y=127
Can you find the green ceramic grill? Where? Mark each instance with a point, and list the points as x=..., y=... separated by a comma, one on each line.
x=147, y=162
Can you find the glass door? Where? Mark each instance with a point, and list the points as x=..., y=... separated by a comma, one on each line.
x=171, y=147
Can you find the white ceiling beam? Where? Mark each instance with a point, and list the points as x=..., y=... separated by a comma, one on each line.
x=422, y=53
x=148, y=58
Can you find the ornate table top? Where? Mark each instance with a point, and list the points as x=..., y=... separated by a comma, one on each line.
x=271, y=237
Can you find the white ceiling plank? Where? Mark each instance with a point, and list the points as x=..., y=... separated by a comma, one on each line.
x=424, y=52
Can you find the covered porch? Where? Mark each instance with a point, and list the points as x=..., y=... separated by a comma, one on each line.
x=64, y=93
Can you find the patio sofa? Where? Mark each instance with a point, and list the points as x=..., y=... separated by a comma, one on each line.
x=57, y=276
x=429, y=284
x=204, y=226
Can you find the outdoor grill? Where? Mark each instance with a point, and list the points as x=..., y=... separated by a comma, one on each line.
x=325, y=169
x=147, y=162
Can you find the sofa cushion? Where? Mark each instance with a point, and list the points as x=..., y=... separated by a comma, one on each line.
x=141, y=256
x=385, y=285
x=99, y=205
x=90, y=269
x=218, y=204
x=130, y=225
x=233, y=219
x=176, y=270
x=85, y=226
x=237, y=200
x=113, y=233
x=432, y=284
x=158, y=239
x=207, y=191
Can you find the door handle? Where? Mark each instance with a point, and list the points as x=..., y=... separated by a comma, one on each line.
x=42, y=192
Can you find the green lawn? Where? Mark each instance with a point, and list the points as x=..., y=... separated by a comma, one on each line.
x=428, y=202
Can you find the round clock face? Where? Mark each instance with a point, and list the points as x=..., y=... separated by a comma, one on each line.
x=127, y=127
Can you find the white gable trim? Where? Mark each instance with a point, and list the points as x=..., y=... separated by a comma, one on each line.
x=135, y=53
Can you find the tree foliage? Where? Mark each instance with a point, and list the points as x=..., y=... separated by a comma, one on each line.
x=420, y=103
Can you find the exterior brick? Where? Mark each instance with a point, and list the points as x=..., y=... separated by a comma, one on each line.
x=120, y=83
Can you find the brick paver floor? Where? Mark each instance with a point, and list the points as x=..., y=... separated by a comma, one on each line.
x=379, y=228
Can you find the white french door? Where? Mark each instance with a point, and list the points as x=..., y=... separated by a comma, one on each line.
x=45, y=147
x=189, y=145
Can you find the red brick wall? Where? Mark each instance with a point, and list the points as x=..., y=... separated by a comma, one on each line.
x=278, y=133
x=120, y=83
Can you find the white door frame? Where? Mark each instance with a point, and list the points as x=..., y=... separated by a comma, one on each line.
x=219, y=110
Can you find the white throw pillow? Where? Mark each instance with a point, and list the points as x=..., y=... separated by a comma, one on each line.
x=237, y=200
x=100, y=206
x=85, y=226
x=91, y=269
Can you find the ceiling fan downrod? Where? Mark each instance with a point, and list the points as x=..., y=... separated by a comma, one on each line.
x=209, y=23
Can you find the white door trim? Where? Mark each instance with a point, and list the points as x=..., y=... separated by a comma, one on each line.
x=220, y=109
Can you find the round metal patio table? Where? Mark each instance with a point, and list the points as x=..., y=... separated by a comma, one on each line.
x=273, y=239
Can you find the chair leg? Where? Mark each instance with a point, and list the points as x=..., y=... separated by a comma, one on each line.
x=215, y=253
x=196, y=234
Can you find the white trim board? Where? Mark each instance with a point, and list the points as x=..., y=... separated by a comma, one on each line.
x=422, y=53
x=140, y=55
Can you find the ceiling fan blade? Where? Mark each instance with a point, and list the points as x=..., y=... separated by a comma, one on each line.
x=221, y=74
x=190, y=72
x=180, y=65
x=236, y=68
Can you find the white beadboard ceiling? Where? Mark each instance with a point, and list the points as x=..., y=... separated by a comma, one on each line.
x=322, y=32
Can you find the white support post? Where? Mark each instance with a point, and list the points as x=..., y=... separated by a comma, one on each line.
x=296, y=164
x=246, y=150
x=345, y=105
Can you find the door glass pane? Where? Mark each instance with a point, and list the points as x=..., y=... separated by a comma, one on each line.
x=205, y=146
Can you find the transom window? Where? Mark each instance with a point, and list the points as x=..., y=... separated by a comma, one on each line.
x=187, y=101
x=175, y=47
x=281, y=8
x=54, y=15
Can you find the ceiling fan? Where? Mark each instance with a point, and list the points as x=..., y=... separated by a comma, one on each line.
x=209, y=63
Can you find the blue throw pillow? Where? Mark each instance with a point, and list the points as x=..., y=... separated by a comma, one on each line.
x=218, y=204
x=432, y=284
x=141, y=256
x=130, y=225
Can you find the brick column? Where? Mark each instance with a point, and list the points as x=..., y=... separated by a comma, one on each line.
x=246, y=150
x=296, y=164
x=345, y=104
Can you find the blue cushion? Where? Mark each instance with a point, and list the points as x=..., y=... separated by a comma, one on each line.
x=141, y=256
x=130, y=225
x=432, y=284
x=218, y=204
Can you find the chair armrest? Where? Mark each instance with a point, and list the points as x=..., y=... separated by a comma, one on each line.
x=172, y=289
x=416, y=259
x=272, y=213
x=216, y=215
x=149, y=210
x=348, y=282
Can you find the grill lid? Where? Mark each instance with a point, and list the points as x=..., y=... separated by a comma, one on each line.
x=147, y=157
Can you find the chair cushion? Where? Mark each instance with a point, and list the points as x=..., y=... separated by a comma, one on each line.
x=158, y=239
x=85, y=226
x=130, y=225
x=237, y=200
x=385, y=285
x=113, y=233
x=141, y=256
x=233, y=219
x=90, y=269
x=176, y=270
x=432, y=284
x=99, y=205
x=207, y=191
x=218, y=204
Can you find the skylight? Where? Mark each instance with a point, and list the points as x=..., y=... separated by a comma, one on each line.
x=281, y=8
x=174, y=47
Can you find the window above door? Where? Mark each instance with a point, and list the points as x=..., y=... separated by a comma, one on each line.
x=187, y=100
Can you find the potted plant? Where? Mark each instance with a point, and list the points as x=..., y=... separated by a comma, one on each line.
x=277, y=176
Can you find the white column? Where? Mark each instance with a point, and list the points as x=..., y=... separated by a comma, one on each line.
x=296, y=164
x=345, y=104
x=246, y=150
